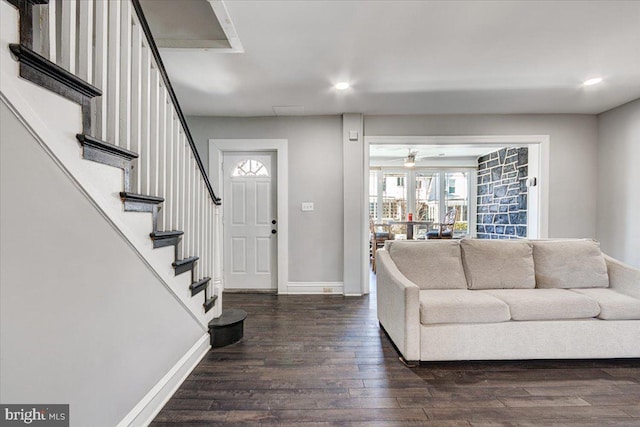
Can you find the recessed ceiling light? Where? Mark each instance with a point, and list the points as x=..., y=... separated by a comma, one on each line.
x=342, y=85
x=593, y=81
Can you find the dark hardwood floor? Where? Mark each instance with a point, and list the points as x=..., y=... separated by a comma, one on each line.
x=323, y=361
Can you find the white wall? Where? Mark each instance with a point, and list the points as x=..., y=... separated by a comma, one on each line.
x=573, y=155
x=315, y=175
x=618, y=224
x=316, y=142
x=83, y=321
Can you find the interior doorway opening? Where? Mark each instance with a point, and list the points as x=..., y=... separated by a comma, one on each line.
x=497, y=184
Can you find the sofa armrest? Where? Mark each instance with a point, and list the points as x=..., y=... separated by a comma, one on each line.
x=398, y=306
x=622, y=277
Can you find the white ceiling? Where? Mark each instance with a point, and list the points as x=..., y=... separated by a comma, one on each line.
x=415, y=57
x=400, y=151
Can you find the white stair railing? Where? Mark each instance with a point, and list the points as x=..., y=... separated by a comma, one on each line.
x=108, y=44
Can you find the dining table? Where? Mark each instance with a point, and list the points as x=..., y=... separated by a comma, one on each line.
x=410, y=225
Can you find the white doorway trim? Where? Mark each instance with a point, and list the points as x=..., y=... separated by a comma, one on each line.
x=280, y=146
x=538, y=144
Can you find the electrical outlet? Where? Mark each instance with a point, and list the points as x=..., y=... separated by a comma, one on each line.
x=307, y=206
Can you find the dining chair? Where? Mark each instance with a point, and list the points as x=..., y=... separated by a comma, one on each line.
x=445, y=229
x=379, y=234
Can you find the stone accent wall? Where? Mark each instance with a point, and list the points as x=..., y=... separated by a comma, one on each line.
x=502, y=194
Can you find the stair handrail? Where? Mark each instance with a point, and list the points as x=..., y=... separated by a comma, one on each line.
x=174, y=99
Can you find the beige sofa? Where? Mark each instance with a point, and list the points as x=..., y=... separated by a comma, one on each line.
x=507, y=299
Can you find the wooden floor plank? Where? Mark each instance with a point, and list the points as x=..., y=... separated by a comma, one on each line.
x=323, y=361
x=529, y=402
x=536, y=414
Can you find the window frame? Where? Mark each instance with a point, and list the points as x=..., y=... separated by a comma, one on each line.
x=237, y=167
x=411, y=185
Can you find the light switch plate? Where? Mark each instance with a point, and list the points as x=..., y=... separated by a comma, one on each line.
x=353, y=135
x=307, y=206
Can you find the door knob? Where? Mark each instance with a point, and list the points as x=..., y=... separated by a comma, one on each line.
x=273, y=231
x=273, y=222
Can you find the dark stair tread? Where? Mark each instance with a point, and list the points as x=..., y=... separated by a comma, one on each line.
x=184, y=261
x=114, y=150
x=140, y=202
x=229, y=317
x=165, y=238
x=142, y=198
x=55, y=73
x=17, y=3
x=209, y=303
x=183, y=265
x=228, y=328
x=166, y=234
x=199, y=286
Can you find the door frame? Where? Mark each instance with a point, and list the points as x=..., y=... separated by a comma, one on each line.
x=280, y=146
x=539, y=145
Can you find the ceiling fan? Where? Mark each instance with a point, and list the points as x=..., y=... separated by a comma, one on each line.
x=410, y=160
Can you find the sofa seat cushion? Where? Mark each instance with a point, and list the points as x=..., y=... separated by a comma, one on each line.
x=429, y=264
x=461, y=306
x=569, y=264
x=498, y=264
x=613, y=305
x=546, y=304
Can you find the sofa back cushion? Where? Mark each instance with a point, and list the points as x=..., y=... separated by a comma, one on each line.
x=498, y=264
x=429, y=264
x=569, y=264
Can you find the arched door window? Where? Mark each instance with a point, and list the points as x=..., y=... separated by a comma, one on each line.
x=250, y=168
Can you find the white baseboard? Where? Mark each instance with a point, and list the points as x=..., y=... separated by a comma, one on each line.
x=249, y=291
x=145, y=411
x=325, y=288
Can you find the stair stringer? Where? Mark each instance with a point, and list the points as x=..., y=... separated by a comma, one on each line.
x=102, y=184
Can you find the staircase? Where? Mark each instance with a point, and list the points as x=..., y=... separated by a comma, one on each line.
x=101, y=56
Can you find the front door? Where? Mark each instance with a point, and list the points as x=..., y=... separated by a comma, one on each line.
x=249, y=220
